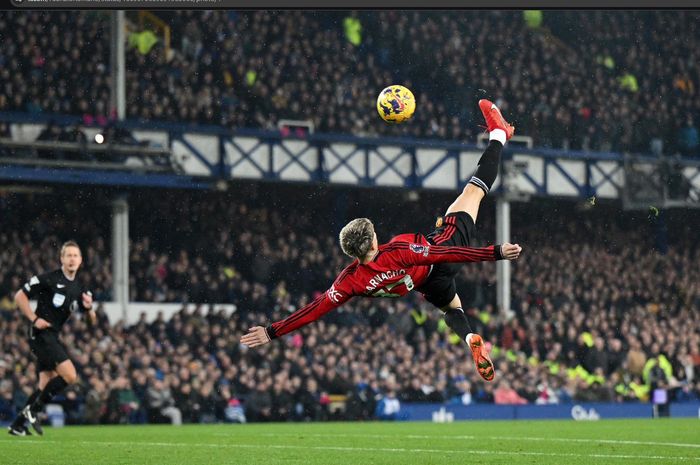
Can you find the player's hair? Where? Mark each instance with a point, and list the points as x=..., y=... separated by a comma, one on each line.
x=69, y=244
x=356, y=237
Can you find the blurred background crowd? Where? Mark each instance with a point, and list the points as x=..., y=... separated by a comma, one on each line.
x=631, y=85
x=604, y=308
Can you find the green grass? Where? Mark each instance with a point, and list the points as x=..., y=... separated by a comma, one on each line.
x=663, y=441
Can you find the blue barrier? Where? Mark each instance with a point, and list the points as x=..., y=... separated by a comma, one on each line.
x=685, y=410
x=584, y=411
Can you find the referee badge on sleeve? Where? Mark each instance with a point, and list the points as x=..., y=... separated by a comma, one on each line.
x=58, y=300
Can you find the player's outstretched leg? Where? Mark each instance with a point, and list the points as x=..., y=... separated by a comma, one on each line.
x=487, y=170
x=457, y=322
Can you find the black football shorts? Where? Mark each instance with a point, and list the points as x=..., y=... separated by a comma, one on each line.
x=47, y=349
x=455, y=229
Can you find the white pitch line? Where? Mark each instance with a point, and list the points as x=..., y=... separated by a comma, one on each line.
x=367, y=449
x=498, y=438
x=604, y=441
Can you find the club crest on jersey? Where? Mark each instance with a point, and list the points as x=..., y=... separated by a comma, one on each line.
x=333, y=294
x=58, y=300
x=439, y=222
x=420, y=249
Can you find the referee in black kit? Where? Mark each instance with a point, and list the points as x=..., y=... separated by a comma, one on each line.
x=58, y=295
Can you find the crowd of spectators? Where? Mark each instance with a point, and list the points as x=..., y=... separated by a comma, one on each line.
x=605, y=307
x=631, y=85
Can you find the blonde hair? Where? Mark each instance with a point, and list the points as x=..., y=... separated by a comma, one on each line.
x=69, y=244
x=356, y=237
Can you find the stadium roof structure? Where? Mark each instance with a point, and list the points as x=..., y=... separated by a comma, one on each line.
x=202, y=157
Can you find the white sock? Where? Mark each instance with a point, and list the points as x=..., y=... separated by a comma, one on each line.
x=499, y=135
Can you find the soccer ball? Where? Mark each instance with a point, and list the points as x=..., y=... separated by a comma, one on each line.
x=396, y=104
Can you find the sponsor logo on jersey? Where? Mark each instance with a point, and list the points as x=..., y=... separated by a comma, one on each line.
x=333, y=294
x=420, y=249
x=58, y=300
x=60, y=286
x=379, y=278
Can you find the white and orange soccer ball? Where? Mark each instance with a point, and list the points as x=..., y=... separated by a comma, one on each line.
x=396, y=104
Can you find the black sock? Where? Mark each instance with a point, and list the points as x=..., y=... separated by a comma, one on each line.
x=35, y=395
x=19, y=419
x=457, y=321
x=52, y=388
x=487, y=169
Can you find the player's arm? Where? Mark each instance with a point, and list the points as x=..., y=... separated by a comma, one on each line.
x=332, y=298
x=30, y=290
x=418, y=254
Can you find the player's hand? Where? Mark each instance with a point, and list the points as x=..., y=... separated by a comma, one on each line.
x=510, y=251
x=87, y=300
x=257, y=336
x=41, y=324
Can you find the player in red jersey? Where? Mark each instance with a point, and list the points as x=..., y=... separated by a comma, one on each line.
x=427, y=264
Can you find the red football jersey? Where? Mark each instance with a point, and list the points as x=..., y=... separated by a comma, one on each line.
x=401, y=265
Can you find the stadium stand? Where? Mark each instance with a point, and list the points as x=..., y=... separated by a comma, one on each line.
x=628, y=89
x=602, y=310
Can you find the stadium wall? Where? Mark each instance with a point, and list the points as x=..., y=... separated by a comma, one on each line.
x=440, y=413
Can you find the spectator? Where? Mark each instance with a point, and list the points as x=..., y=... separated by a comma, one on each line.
x=389, y=406
x=504, y=394
x=688, y=139
x=161, y=405
x=122, y=403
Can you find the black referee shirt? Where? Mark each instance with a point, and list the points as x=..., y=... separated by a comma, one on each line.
x=57, y=296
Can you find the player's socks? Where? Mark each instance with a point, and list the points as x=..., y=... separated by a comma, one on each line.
x=18, y=423
x=487, y=169
x=457, y=321
x=52, y=388
x=32, y=398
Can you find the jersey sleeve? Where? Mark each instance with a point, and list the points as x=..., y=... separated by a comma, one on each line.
x=337, y=295
x=426, y=254
x=35, y=284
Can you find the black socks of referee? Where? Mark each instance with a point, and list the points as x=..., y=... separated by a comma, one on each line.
x=19, y=420
x=52, y=388
x=487, y=170
x=457, y=321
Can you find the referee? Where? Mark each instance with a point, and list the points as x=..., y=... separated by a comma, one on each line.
x=58, y=295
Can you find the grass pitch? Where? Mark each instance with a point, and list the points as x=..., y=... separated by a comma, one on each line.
x=663, y=441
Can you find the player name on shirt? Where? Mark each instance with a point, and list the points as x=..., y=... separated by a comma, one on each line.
x=381, y=277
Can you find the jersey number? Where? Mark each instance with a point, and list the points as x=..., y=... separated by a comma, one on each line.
x=385, y=291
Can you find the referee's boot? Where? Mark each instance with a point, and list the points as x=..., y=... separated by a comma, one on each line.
x=18, y=430
x=480, y=354
x=33, y=419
